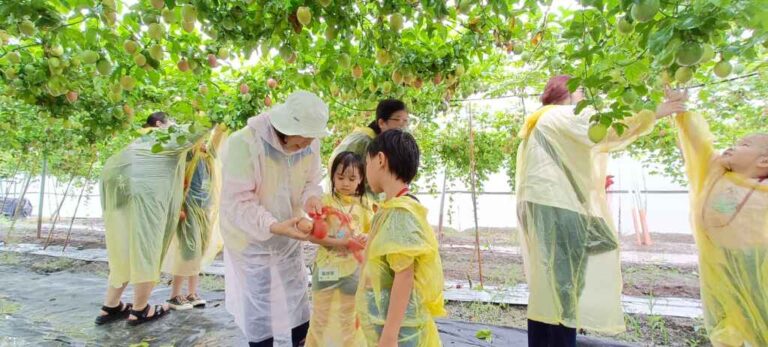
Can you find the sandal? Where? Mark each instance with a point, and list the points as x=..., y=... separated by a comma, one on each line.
x=141, y=316
x=121, y=311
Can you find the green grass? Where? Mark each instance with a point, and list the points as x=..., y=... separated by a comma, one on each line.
x=212, y=283
x=53, y=265
x=9, y=258
x=8, y=307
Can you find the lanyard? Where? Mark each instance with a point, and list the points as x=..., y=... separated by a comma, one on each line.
x=402, y=192
x=738, y=207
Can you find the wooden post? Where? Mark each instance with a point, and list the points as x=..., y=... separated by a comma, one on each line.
x=442, y=206
x=58, y=210
x=42, y=198
x=77, y=206
x=7, y=186
x=474, y=194
x=18, y=207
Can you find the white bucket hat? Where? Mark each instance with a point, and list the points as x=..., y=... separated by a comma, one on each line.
x=302, y=114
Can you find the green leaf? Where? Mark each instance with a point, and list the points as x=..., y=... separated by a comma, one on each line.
x=157, y=148
x=658, y=40
x=484, y=334
x=581, y=105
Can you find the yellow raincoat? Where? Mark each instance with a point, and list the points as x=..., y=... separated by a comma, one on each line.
x=141, y=197
x=400, y=236
x=335, y=278
x=732, y=240
x=570, y=249
x=357, y=142
x=197, y=240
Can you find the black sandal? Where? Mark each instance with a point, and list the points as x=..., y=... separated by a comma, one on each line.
x=141, y=316
x=121, y=311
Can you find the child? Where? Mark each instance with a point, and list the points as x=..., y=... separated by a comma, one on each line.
x=401, y=285
x=729, y=205
x=335, y=272
x=197, y=240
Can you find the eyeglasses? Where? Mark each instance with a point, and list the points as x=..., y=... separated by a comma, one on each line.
x=409, y=122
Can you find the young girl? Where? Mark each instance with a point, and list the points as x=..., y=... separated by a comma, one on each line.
x=335, y=271
x=197, y=240
x=729, y=214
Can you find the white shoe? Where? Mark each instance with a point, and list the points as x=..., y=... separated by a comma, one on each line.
x=179, y=303
x=196, y=301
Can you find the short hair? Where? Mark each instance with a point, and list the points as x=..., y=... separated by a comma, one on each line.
x=384, y=111
x=154, y=118
x=556, y=90
x=402, y=153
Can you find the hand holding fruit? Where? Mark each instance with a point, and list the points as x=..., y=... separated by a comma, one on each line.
x=313, y=205
x=305, y=225
x=674, y=103
x=289, y=228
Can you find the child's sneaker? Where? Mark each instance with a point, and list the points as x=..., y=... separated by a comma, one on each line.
x=179, y=303
x=196, y=300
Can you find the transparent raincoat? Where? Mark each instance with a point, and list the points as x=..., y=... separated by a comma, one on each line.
x=197, y=239
x=141, y=196
x=400, y=236
x=729, y=214
x=266, y=277
x=335, y=277
x=570, y=249
x=357, y=142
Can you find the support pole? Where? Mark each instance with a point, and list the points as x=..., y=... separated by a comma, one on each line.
x=58, y=211
x=442, y=207
x=474, y=195
x=77, y=206
x=42, y=198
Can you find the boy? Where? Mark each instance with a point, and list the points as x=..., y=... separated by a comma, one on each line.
x=729, y=205
x=401, y=283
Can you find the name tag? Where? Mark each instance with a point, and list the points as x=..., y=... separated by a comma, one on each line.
x=327, y=274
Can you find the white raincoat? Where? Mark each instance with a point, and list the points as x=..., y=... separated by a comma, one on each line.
x=266, y=278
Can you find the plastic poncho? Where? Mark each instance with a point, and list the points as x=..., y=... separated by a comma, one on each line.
x=197, y=239
x=356, y=142
x=570, y=248
x=266, y=284
x=141, y=196
x=335, y=277
x=400, y=236
x=732, y=241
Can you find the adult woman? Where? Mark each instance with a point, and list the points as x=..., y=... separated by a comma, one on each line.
x=270, y=169
x=390, y=114
x=570, y=250
x=141, y=196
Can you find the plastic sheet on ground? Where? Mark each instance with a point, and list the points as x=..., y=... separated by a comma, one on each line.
x=58, y=309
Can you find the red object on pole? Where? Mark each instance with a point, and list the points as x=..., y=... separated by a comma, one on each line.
x=608, y=181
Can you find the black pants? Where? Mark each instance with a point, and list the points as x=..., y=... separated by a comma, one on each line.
x=298, y=335
x=548, y=335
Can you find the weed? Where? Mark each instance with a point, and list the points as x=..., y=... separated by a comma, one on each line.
x=53, y=265
x=8, y=307
x=9, y=258
x=212, y=283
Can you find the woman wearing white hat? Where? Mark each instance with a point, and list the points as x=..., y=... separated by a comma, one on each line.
x=271, y=170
